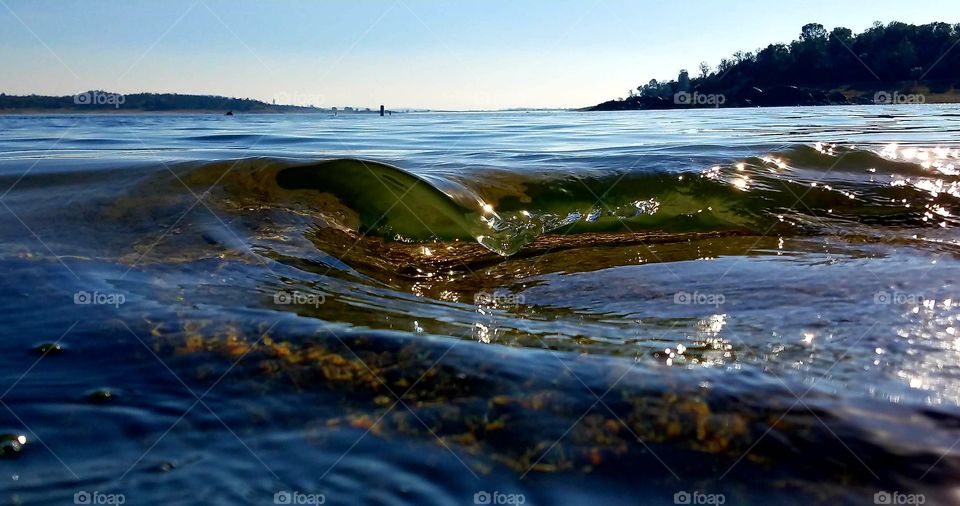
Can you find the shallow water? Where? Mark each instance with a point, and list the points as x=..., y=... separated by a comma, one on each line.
x=559, y=307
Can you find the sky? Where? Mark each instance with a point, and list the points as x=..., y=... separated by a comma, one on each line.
x=455, y=55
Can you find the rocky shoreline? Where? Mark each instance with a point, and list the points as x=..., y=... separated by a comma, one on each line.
x=775, y=96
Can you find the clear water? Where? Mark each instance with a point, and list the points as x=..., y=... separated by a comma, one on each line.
x=567, y=307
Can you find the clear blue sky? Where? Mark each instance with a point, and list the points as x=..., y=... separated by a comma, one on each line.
x=404, y=53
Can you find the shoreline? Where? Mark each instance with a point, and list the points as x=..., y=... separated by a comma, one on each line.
x=133, y=112
x=783, y=96
x=105, y=112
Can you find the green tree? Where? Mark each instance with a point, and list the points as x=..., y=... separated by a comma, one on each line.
x=704, y=69
x=683, y=81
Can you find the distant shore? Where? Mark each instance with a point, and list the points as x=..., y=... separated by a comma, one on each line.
x=785, y=96
x=106, y=102
x=215, y=112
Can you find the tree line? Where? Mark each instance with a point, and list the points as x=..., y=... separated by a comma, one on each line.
x=158, y=102
x=881, y=57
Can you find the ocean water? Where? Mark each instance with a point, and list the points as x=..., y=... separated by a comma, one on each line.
x=670, y=307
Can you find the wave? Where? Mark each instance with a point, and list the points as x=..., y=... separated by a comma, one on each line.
x=802, y=189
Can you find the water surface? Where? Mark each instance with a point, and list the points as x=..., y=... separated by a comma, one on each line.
x=568, y=307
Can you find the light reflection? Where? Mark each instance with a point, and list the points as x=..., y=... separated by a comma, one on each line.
x=777, y=162
x=825, y=148
x=419, y=289
x=938, y=158
x=933, y=346
x=712, y=350
x=482, y=332
x=713, y=325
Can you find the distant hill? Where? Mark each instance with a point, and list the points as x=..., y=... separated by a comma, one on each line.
x=104, y=101
x=896, y=63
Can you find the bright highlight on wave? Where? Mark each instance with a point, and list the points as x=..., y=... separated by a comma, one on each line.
x=939, y=159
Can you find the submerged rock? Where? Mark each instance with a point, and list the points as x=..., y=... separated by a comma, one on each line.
x=48, y=348
x=101, y=396
x=11, y=444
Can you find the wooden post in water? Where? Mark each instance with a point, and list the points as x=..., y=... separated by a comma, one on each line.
x=381, y=109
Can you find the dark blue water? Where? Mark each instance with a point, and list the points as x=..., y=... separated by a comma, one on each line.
x=747, y=306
